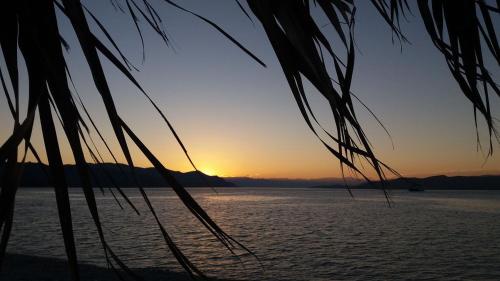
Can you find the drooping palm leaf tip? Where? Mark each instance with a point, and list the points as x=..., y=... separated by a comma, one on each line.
x=31, y=27
x=462, y=30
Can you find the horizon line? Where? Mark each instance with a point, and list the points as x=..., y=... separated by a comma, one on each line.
x=448, y=174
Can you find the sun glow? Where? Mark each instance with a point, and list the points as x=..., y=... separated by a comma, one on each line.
x=210, y=171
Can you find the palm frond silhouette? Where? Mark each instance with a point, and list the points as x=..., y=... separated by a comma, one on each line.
x=462, y=30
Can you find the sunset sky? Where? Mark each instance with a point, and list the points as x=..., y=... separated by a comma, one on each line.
x=239, y=119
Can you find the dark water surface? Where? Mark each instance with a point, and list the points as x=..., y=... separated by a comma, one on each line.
x=298, y=234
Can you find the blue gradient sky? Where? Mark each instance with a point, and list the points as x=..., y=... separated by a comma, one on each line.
x=239, y=119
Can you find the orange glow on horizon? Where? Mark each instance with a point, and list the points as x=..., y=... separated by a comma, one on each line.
x=211, y=171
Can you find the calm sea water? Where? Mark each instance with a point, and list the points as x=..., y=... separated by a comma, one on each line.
x=298, y=234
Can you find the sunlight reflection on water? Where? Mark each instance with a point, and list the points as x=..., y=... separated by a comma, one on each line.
x=244, y=198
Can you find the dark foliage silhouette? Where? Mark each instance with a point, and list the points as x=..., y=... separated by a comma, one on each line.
x=462, y=30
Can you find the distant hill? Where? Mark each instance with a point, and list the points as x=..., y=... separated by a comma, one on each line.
x=34, y=176
x=442, y=182
x=259, y=182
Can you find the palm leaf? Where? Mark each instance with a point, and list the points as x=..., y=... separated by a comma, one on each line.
x=462, y=50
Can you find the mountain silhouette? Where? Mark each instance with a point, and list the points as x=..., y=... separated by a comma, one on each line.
x=106, y=175
x=285, y=182
x=441, y=182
